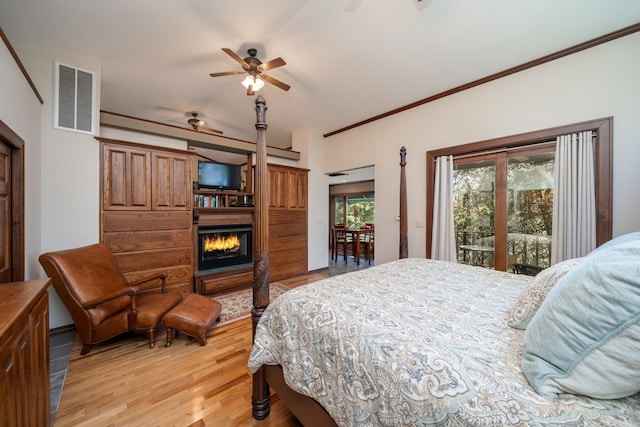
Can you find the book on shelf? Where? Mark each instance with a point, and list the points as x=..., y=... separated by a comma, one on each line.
x=206, y=201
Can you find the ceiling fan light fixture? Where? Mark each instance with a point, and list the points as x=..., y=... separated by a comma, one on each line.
x=254, y=81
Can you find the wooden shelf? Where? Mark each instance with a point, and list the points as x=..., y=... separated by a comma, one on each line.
x=229, y=209
x=211, y=199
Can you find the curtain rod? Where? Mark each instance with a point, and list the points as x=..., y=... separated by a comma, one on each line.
x=503, y=149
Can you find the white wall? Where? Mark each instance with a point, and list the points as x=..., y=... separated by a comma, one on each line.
x=310, y=145
x=20, y=111
x=600, y=82
x=69, y=175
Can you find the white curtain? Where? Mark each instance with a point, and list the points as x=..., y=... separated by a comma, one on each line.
x=443, y=244
x=574, y=207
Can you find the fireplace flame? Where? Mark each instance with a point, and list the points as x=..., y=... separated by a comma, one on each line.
x=221, y=243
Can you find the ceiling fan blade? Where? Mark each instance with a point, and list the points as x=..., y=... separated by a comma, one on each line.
x=210, y=130
x=226, y=73
x=236, y=57
x=275, y=82
x=274, y=63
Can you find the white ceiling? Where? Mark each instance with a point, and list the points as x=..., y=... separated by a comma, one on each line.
x=347, y=60
x=352, y=175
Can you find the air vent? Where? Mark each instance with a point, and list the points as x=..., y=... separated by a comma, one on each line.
x=74, y=99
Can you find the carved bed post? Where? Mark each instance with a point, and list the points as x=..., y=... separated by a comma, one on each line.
x=260, y=398
x=404, y=243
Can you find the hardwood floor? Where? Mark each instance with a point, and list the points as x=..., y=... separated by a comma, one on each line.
x=126, y=383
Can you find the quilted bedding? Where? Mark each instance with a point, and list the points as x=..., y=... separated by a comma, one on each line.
x=416, y=342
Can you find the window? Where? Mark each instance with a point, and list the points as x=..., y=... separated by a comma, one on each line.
x=504, y=185
x=74, y=99
x=353, y=210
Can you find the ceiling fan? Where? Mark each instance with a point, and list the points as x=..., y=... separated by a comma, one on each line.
x=198, y=124
x=255, y=68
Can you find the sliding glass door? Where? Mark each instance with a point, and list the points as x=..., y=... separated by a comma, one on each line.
x=503, y=208
x=529, y=211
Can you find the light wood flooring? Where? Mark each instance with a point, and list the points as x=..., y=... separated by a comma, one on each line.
x=125, y=383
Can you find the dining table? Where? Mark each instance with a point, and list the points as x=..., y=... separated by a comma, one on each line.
x=355, y=233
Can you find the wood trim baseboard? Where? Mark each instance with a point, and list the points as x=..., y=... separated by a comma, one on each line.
x=61, y=329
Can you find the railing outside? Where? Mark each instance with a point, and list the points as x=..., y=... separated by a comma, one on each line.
x=526, y=249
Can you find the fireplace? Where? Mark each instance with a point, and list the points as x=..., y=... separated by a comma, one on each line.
x=223, y=246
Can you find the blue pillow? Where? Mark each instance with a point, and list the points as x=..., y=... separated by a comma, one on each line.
x=585, y=338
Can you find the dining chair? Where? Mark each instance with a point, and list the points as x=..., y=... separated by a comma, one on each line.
x=367, y=241
x=340, y=241
x=332, y=238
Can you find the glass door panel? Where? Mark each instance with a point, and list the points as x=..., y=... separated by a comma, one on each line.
x=529, y=212
x=474, y=211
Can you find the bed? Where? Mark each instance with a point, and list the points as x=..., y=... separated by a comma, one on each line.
x=418, y=342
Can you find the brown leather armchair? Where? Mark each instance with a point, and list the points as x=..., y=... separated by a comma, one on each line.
x=98, y=297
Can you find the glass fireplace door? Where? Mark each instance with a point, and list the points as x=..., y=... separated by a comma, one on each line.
x=224, y=246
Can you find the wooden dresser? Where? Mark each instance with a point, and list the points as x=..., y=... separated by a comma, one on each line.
x=24, y=353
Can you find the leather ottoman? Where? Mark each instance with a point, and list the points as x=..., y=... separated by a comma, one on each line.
x=193, y=316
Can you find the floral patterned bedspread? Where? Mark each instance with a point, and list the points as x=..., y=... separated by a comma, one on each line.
x=416, y=342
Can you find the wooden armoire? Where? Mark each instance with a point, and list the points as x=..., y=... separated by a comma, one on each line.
x=146, y=211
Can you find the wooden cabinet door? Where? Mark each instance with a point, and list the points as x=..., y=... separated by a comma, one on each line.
x=171, y=180
x=287, y=187
x=126, y=178
x=296, y=189
x=277, y=187
x=14, y=379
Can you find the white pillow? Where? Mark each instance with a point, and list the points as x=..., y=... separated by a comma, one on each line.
x=531, y=298
x=585, y=338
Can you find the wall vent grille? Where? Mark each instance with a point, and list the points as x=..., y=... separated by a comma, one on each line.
x=74, y=99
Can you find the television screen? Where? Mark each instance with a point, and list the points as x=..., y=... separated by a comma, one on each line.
x=220, y=176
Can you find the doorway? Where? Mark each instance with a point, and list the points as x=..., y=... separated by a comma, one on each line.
x=352, y=203
x=12, y=205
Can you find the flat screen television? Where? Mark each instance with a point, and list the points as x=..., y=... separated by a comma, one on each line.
x=219, y=176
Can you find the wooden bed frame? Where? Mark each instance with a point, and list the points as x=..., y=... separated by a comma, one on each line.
x=308, y=411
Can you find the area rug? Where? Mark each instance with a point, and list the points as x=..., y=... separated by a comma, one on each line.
x=238, y=305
